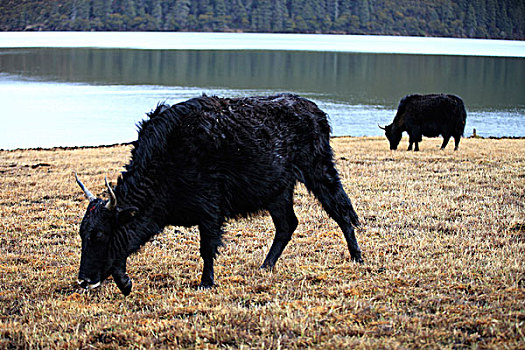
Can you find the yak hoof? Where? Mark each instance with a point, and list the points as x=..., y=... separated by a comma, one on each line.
x=205, y=286
x=266, y=267
x=357, y=258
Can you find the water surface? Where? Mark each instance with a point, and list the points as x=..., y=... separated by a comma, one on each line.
x=86, y=96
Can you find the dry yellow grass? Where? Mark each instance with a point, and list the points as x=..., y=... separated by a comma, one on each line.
x=443, y=238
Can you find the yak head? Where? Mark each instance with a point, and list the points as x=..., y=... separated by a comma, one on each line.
x=393, y=135
x=103, y=255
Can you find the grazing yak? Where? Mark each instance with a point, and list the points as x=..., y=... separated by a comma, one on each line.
x=427, y=115
x=208, y=159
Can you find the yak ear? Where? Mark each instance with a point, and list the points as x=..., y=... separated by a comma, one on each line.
x=112, y=203
x=126, y=214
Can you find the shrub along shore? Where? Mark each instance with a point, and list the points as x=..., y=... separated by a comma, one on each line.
x=443, y=238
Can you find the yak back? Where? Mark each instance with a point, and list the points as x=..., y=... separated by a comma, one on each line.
x=231, y=156
x=434, y=113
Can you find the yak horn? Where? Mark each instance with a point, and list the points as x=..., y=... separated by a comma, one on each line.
x=112, y=204
x=88, y=194
x=381, y=127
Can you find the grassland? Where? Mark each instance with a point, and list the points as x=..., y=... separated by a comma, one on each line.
x=443, y=238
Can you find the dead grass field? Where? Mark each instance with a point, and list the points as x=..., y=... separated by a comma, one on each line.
x=443, y=238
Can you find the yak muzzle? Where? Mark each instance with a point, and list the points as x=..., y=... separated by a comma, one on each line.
x=122, y=280
x=87, y=284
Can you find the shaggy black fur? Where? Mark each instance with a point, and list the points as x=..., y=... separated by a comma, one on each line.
x=428, y=115
x=208, y=159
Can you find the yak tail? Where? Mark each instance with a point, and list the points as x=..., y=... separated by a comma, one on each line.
x=463, y=118
x=461, y=112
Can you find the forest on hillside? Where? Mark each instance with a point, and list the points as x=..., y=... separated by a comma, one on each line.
x=494, y=19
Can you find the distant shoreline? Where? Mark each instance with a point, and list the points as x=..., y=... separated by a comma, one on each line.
x=72, y=148
x=265, y=41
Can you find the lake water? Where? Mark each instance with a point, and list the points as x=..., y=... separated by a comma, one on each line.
x=74, y=96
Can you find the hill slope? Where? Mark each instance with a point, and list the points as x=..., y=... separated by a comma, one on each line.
x=504, y=19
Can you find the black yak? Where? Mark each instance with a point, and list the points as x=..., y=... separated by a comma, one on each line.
x=427, y=115
x=208, y=159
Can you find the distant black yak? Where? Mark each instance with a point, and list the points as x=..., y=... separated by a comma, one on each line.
x=427, y=115
x=202, y=161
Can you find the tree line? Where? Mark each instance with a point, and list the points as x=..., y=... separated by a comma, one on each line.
x=493, y=19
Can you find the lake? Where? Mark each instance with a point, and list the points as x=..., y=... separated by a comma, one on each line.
x=76, y=96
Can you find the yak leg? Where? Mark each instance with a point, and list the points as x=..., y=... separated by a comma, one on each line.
x=413, y=139
x=417, y=140
x=121, y=278
x=329, y=191
x=210, y=234
x=285, y=223
x=414, y=136
x=445, y=141
x=456, y=142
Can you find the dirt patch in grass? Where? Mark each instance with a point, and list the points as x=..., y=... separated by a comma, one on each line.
x=442, y=237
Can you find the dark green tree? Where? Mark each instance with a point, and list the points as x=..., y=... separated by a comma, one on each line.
x=239, y=15
x=262, y=15
x=363, y=11
x=220, y=18
x=498, y=19
x=470, y=21
x=491, y=10
x=155, y=18
x=279, y=15
x=332, y=9
x=310, y=16
x=502, y=20
x=180, y=14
